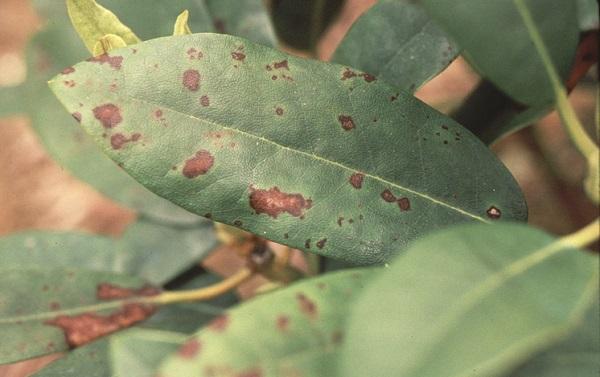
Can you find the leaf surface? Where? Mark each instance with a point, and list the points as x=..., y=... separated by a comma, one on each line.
x=496, y=42
x=469, y=301
x=397, y=42
x=293, y=331
x=286, y=148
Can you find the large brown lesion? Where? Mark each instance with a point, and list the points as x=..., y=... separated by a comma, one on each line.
x=274, y=202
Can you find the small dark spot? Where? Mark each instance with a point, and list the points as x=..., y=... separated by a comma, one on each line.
x=274, y=202
x=388, y=196
x=356, y=180
x=348, y=74
x=208, y=215
x=134, y=50
x=494, y=213
x=191, y=80
x=158, y=114
x=283, y=323
x=219, y=25
x=281, y=64
x=273, y=77
x=117, y=141
x=321, y=243
x=205, y=101
x=286, y=236
x=108, y=114
x=220, y=323
x=404, y=204
x=77, y=116
x=361, y=217
x=340, y=220
x=279, y=111
x=113, y=61
x=393, y=98
x=200, y=164
x=238, y=223
x=445, y=141
x=444, y=127
x=189, y=349
x=307, y=244
x=347, y=122
x=368, y=77
x=350, y=221
x=307, y=306
x=238, y=55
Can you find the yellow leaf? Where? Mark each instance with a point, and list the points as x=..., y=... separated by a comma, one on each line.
x=181, y=24
x=108, y=43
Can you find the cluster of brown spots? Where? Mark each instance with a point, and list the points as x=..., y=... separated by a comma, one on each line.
x=69, y=83
x=279, y=111
x=85, y=328
x=68, y=71
x=281, y=66
x=283, y=323
x=108, y=114
x=388, y=196
x=205, y=101
x=191, y=80
x=356, y=180
x=219, y=25
x=321, y=243
x=77, y=116
x=274, y=202
x=307, y=244
x=189, y=349
x=238, y=54
x=118, y=141
x=194, y=54
x=199, y=164
x=347, y=122
x=307, y=306
x=220, y=323
x=494, y=213
x=349, y=74
x=114, y=61
x=107, y=291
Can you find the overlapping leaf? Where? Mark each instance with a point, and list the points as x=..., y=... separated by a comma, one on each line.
x=397, y=42
x=469, y=301
x=294, y=331
x=288, y=148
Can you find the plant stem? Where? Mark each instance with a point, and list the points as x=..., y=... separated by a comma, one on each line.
x=583, y=236
x=582, y=140
x=202, y=294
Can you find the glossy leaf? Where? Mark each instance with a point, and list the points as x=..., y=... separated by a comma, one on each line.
x=397, y=42
x=156, y=253
x=496, y=42
x=577, y=356
x=293, y=331
x=469, y=301
x=36, y=305
x=286, y=148
x=58, y=46
x=92, y=22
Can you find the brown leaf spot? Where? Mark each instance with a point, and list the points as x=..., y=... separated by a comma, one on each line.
x=238, y=55
x=340, y=220
x=494, y=213
x=85, y=328
x=321, y=243
x=347, y=122
x=199, y=164
x=348, y=74
x=388, y=196
x=279, y=111
x=107, y=291
x=205, y=101
x=307, y=306
x=273, y=202
x=220, y=323
x=118, y=141
x=191, y=80
x=393, y=98
x=404, y=204
x=108, y=114
x=368, y=77
x=356, y=180
x=282, y=64
x=283, y=323
x=273, y=77
x=68, y=71
x=307, y=244
x=189, y=349
x=113, y=61
x=194, y=54
x=77, y=116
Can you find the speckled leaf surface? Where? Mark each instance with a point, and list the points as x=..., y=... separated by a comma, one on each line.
x=494, y=39
x=48, y=311
x=294, y=331
x=286, y=147
x=155, y=253
x=58, y=46
x=469, y=301
x=397, y=42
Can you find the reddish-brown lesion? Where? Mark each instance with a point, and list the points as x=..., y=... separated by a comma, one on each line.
x=274, y=202
x=198, y=165
x=108, y=291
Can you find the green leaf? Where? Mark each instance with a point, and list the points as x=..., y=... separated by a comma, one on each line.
x=469, y=301
x=92, y=21
x=58, y=46
x=287, y=149
x=576, y=356
x=48, y=311
x=397, y=42
x=181, y=24
x=91, y=360
x=293, y=331
x=587, y=12
x=496, y=42
x=156, y=253
x=108, y=43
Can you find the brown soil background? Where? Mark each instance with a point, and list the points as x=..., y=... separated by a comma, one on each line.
x=36, y=193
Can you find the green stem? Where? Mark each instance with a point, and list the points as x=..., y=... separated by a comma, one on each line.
x=582, y=140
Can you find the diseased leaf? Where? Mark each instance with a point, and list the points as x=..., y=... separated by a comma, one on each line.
x=181, y=24
x=286, y=147
x=293, y=331
x=48, y=311
x=397, y=42
x=497, y=44
x=108, y=43
x=577, y=356
x=58, y=46
x=156, y=253
x=92, y=21
x=469, y=301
